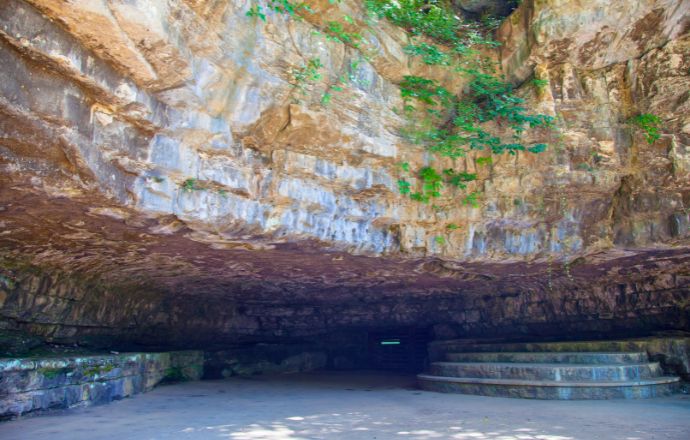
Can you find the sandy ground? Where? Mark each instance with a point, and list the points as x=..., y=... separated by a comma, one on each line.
x=351, y=406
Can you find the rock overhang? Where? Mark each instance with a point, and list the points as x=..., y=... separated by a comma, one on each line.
x=214, y=207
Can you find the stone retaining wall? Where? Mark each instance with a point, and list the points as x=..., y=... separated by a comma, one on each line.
x=28, y=385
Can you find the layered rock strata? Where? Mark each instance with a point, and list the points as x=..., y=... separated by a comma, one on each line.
x=38, y=384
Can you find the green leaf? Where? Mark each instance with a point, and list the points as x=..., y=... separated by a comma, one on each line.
x=419, y=197
x=255, y=11
x=650, y=124
x=538, y=148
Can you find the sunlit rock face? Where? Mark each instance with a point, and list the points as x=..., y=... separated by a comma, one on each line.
x=164, y=180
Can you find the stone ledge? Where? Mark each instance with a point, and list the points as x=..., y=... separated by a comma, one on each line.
x=29, y=385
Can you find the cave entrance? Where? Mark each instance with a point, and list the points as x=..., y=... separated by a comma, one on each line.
x=402, y=349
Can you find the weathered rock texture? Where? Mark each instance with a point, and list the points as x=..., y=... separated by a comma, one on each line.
x=294, y=226
x=30, y=385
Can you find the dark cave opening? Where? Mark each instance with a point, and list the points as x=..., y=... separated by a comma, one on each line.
x=395, y=349
x=400, y=349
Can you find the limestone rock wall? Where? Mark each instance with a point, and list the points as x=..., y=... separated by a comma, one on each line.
x=138, y=97
x=32, y=385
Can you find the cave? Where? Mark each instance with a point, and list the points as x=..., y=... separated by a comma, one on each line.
x=368, y=196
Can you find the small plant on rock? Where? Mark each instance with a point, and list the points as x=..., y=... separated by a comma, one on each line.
x=650, y=124
x=306, y=75
x=191, y=184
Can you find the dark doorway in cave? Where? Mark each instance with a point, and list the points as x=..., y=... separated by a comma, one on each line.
x=400, y=349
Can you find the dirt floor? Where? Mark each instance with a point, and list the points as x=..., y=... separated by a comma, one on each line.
x=351, y=406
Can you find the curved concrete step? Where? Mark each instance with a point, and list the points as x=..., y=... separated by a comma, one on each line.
x=552, y=357
x=547, y=372
x=535, y=389
x=438, y=349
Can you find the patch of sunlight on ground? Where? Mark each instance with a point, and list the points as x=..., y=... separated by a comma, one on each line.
x=258, y=432
x=323, y=425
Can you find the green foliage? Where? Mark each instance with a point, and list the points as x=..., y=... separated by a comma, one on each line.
x=98, y=370
x=174, y=374
x=340, y=84
x=488, y=160
x=335, y=31
x=306, y=75
x=191, y=184
x=427, y=91
x=430, y=54
x=459, y=179
x=257, y=12
x=539, y=84
x=52, y=373
x=490, y=98
x=452, y=226
x=650, y=124
x=440, y=240
x=419, y=197
x=496, y=100
x=472, y=199
x=326, y=98
x=448, y=126
x=432, y=181
x=432, y=19
x=280, y=6
x=537, y=148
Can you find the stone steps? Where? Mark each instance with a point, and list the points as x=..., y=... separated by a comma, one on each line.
x=552, y=390
x=555, y=372
x=439, y=349
x=550, y=357
x=533, y=371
